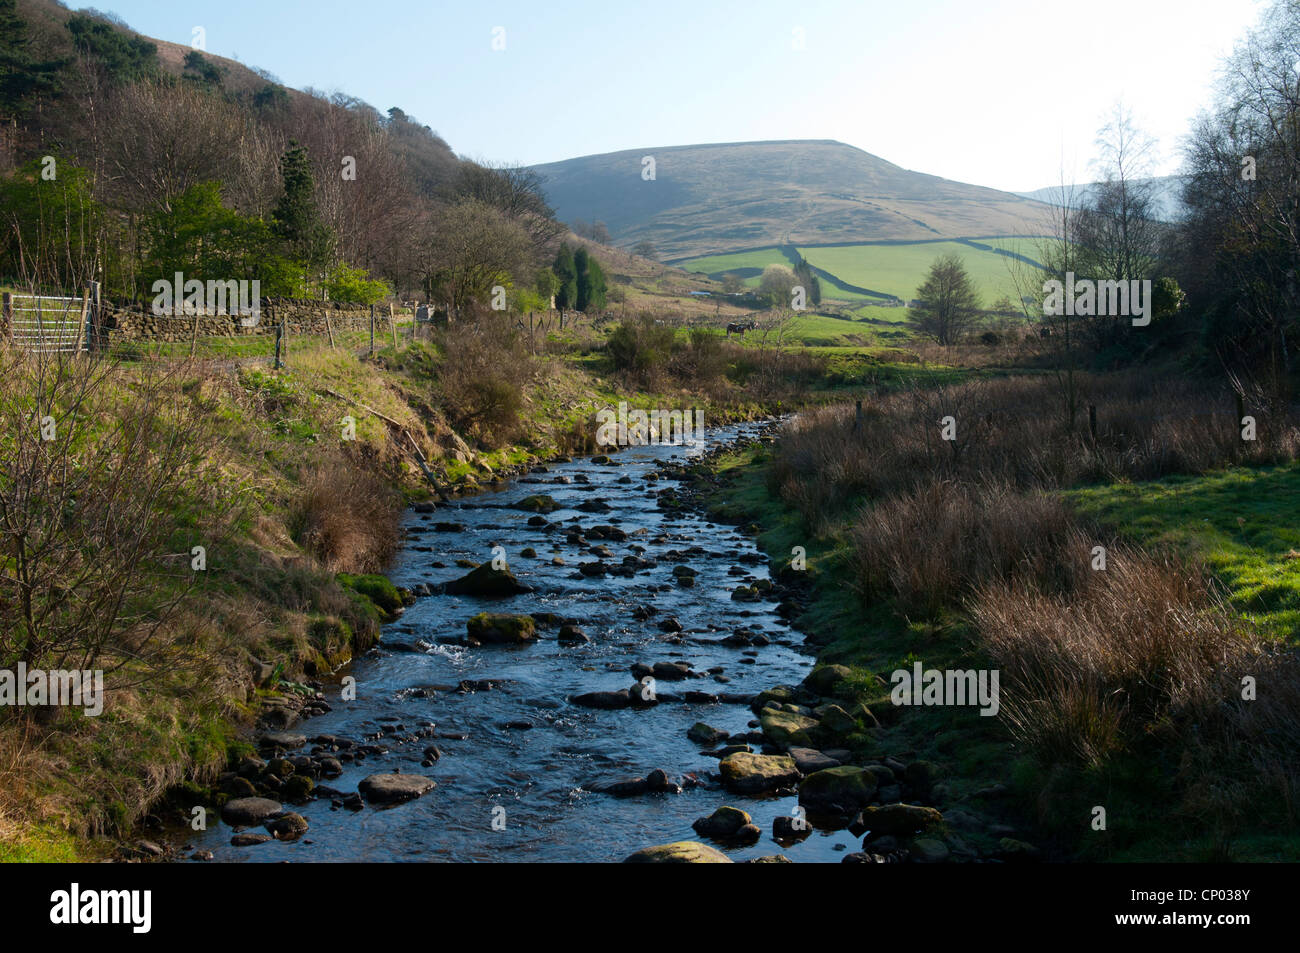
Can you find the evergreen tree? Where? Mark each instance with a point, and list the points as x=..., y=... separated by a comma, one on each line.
x=596, y=291
x=296, y=219
x=812, y=285
x=566, y=294
x=202, y=71
x=22, y=78
x=124, y=58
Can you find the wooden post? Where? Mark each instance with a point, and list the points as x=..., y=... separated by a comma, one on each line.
x=81, y=324
x=857, y=418
x=329, y=328
x=372, y=330
x=96, y=317
x=9, y=316
x=392, y=324
x=279, y=333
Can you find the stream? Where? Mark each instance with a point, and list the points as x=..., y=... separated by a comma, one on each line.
x=518, y=758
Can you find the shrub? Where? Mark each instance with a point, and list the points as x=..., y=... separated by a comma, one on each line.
x=485, y=365
x=348, y=517
x=640, y=347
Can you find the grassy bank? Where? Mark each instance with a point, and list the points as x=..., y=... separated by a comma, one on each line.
x=1121, y=689
x=292, y=482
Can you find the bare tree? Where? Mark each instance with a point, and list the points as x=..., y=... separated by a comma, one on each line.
x=93, y=488
x=166, y=138
x=471, y=248
x=1115, y=231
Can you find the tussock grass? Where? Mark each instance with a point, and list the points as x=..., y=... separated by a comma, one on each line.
x=1127, y=680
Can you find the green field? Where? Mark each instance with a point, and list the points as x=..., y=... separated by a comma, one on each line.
x=894, y=269
x=900, y=269
x=760, y=259
x=1240, y=522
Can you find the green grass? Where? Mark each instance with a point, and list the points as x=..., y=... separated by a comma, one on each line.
x=900, y=269
x=1047, y=803
x=759, y=259
x=715, y=264
x=42, y=844
x=1243, y=523
x=894, y=269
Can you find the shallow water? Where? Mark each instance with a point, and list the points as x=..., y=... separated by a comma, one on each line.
x=537, y=775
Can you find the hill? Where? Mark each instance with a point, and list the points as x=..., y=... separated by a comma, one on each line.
x=713, y=199
x=1167, y=191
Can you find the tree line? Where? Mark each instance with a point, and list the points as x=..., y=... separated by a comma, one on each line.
x=115, y=169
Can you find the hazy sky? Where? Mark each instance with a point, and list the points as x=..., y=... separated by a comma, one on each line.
x=994, y=92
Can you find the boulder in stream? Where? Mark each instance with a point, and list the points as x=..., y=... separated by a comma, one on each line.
x=681, y=852
x=747, y=773
x=489, y=582
x=495, y=629
x=394, y=788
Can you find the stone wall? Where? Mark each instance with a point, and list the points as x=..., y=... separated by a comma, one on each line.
x=136, y=323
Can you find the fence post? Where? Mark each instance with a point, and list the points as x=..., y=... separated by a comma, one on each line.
x=279, y=332
x=857, y=417
x=81, y=324
x=9, y=317
x=392, y=324
x=372, y=330
x=1240, y=443
x=96, y=317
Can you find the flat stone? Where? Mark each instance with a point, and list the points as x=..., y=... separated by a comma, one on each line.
x=394, y=788
x=245, y=811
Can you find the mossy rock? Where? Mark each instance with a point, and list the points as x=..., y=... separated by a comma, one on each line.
x=502, y=629
x=485, y=581
x=722, y=823
x=680, y=852
x=378, y=590
x=826, y=680
x=846, y=789
x=298, y=788
x=899, y=818
x=777, y=694
x=787, y=729
x=538, y=503
x=747, y=773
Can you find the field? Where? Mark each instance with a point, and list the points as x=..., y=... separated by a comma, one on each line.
x=1239, y=522
x=892, y=269
x=900, y=269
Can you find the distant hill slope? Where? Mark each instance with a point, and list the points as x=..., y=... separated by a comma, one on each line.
x=711, y=199
x=1168, y=195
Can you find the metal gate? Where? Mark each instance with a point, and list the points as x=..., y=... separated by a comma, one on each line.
x=45, y=325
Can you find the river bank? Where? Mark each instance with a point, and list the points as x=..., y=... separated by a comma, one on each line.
x=290, y=591
x=518, y=738
x=527, y=743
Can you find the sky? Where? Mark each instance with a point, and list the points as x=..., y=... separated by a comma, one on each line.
x=1003, y=93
